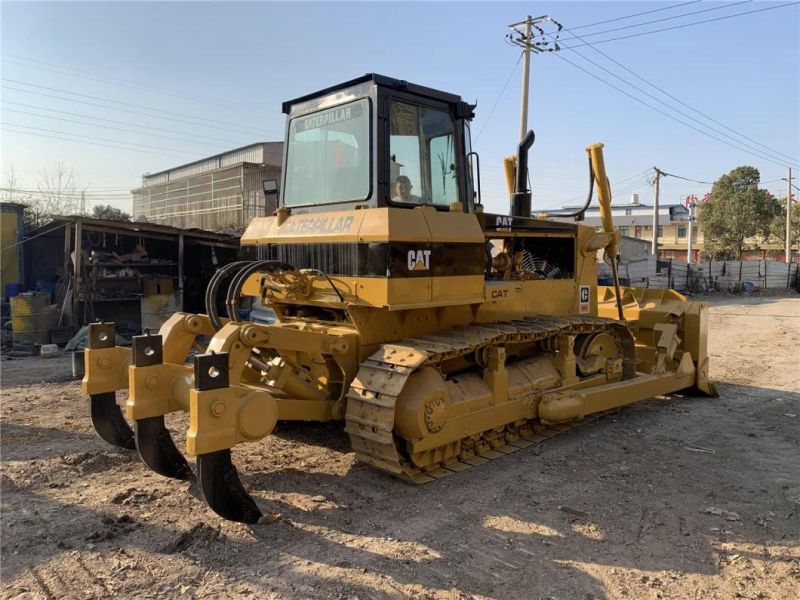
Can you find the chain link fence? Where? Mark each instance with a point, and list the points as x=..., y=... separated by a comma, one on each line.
x=723, y=275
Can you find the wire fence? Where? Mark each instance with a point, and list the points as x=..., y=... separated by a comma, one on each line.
x=723, y=275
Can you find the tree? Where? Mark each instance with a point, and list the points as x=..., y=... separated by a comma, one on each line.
x=11, y=191
x=778, y=225
x=737, y=214
x=57, y=193
x=110, y=213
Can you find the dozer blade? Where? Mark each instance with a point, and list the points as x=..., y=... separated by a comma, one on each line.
x=108, y=421
x=157, y=450
x=223, y=490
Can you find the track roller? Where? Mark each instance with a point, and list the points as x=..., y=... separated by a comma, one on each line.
x=223, y=490
x=157, y=450
x=108, y=421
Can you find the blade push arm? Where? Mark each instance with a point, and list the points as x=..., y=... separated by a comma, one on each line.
x=604, y=200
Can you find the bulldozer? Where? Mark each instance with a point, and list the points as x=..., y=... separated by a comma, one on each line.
x=442, y=335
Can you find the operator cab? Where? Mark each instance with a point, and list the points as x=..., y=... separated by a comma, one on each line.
x=377, y=141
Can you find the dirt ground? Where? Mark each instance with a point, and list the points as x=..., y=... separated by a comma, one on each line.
x=678, y=498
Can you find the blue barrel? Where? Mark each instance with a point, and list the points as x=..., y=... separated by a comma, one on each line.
x=12, y=289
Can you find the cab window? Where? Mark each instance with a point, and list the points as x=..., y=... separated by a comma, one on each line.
x=328, y=156
x=422, y=156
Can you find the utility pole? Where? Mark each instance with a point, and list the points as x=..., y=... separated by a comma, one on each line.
x=526, y=71
x=689, y=233
x=529, y=36
x=656, y=185
x=789, y=217
x=83, y=203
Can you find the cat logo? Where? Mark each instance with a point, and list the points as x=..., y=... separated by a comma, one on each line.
x=583, y=298
x=419, y=260
x=503, y=221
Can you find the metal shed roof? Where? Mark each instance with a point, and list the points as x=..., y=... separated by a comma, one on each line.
x=134, y=228
x=270, y=153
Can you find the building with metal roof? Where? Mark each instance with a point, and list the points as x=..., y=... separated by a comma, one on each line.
x=221, y=192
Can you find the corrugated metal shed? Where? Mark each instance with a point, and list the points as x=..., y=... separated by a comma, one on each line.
x=217, y=193
x=267, y=153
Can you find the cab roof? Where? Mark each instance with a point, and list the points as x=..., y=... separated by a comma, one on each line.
x=388, y=82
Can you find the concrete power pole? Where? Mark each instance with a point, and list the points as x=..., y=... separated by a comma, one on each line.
x=524, y=36
x=689, y=233
x=656, y=185
x=526, y=71
x=789, y=217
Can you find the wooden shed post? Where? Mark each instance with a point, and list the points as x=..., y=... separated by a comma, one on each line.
x=67, y=248
x=76, y=292
x=180, y=267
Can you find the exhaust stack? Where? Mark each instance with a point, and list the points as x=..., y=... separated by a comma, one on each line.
x=521, y=198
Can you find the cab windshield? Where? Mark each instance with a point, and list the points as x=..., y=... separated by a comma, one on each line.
x=328, y=156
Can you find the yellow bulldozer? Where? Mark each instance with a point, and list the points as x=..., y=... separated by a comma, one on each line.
x=443, y=336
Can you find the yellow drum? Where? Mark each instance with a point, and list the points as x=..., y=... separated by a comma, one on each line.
x=30, y=319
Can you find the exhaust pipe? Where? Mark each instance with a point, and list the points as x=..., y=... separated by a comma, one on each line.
x=521, y=198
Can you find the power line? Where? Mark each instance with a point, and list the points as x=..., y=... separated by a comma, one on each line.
x=647, y=12
x=772, y=155
x=56, y=228
x=99, y=139
x=685, y=178
x=128, y=130
x=696, y=12
x=624, y=191
x=112, y=101
x=621, y=181
x=793, y=185
x=772, y=151
x=500, y=95
x=6, y=128
x=633, y=35
x=127, y=110
x=666, y=114
x=48, y=66
x=625, y=187
x=64, y=112
x=88, y=194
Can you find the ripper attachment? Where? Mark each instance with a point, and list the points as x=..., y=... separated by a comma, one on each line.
x=107, y=417
x=153, y=441
x=217, y=478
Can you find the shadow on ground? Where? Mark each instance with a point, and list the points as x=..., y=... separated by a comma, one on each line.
x=635, y=492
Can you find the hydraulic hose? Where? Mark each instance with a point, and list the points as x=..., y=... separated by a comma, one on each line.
x=212, y=290
x=578, y=214
x=235, y=288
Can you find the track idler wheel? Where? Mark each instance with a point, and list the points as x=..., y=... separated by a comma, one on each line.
x=222, y=489
x=157, y=450
x=108, y=421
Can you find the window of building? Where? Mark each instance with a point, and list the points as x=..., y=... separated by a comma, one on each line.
x=681, y=232
x=628, y=211
x=623, y=231
x=660, y=231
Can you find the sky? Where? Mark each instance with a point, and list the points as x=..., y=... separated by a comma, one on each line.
x=82, y=83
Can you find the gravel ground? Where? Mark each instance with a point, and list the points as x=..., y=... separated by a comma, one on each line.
x=678, y=498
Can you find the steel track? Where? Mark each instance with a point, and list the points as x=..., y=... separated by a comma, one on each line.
x=373, y=395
